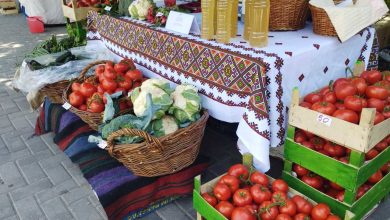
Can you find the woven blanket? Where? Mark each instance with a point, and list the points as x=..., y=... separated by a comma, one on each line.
x=122, y=194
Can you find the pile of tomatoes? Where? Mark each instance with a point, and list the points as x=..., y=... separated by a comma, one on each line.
x=346, y=97
x=109, y=78
x=88, y=3
x=331, y=188
x=241, y=195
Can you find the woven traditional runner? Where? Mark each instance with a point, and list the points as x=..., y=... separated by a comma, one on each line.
x=122, y=194
x=239, y=83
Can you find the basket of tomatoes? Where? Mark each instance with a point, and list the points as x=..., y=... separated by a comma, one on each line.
x=246, y=194
x=86, y=93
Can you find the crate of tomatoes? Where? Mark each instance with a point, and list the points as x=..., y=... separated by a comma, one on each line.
x=246, y=194
x=85, y=95
x=78, y=9
x=336, y=149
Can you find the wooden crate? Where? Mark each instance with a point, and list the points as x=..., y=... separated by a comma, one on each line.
x=359, y=138
x=76, y=14
x=8, y=4
x=10, y=11
x=206, y=211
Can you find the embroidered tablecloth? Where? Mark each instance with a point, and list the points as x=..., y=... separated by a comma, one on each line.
x=238, y=83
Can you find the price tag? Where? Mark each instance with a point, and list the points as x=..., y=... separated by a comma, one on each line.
x=66, y=106
x=324, y=119
x=182, y=23
x=107, y=8
x=102, y=144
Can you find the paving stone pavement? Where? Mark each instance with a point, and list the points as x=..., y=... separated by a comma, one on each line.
x=37, y=180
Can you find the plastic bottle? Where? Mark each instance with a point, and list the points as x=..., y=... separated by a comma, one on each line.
x=224, y=28
x=259, y=23
x=208, y=18
x=234, y=17
x=247, y=18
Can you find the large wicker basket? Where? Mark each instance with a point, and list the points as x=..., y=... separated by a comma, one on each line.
x=159, y=156
x=288, y=14
x=92, y=119
x=55, y=90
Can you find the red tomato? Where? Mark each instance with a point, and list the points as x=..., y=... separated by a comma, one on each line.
x=76, y=87
x=372, y=76
x=376, y=177
x=121, y=67
x=344, y=90
x=135, y=75
x=240, y=171
x=333, y=217
x=381, y=146
x=299, y=137
x=371, y=154
x=109, y=65
x=260, y=193
x=283, y=217
x=360, y=85
x=210, y=199
x=326, y=108
x=313, y=98
x=346, y=115
x=279, y=196
x=320, y=212
x=340, y=196
x=76, y=99
x=299, y=170
x=99, y=70
x=136, y=84
x=100, y=89
x=301, y=216
x=109, y=74
x=289, y=208
x=252, y=207
x=344, y=159
x=325, y=90
x=308, y=134
x=225, y=208
x=353, y=103
x=303, y=206
x=334, y=150
x=385, y=168
x=340, y=81
x=95, y=107
x=83, y=107
x=125, y=83
x=332, y=192
x=268, y=211
x=308, y=144
x=318, y=143
x=387, y=78
x=313, y=180
x=109, y=85
x=330, y=97
x=259, y=178
x=335, y=186
x=129, y=62
x=377, y=92
x=87, y=89
x=386, y=111
x=231, y=181
x=242, y=213
x=378, y=118
x=305, y=104
x=376, y=103
x=222, y=192
x=242, y=197
x=361, y=191
x=279, y=185
x=340, y=105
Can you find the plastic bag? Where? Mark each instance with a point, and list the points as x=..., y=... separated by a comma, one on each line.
x=53, y=74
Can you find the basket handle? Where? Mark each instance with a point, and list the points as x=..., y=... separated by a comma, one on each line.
x=132, y=132
x=89, y=66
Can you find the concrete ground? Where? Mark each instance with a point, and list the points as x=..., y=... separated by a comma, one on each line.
x=37, y=180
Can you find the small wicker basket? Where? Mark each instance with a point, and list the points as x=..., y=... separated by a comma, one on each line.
x=55, y=90
x=288, y=15
x=92, y=119
x=159, y=156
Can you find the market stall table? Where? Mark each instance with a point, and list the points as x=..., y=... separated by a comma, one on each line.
x=239, y=83
x=122, y=194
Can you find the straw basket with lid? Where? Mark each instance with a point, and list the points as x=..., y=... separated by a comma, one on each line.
x=157, y=156
x=92, y=119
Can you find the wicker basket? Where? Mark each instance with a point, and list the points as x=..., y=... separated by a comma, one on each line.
x=55, y=90
x=321, y=21
x=159, y=156
x=288, y=14
x=92, y=119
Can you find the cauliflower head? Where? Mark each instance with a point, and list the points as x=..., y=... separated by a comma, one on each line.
x=160, y=93
x=138, y=9
x=186, y=103
x=166, y=125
